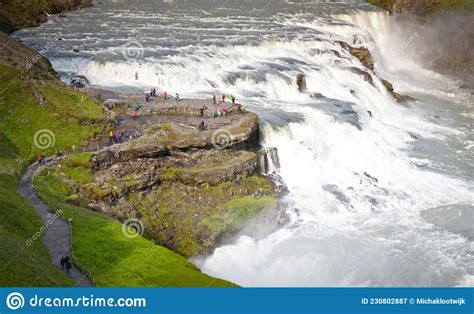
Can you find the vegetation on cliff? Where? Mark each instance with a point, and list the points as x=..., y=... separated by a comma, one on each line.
x=112, y=259
x=424, y=9
x=15, y=14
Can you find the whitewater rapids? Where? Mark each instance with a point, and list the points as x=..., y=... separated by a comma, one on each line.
x=380, y=194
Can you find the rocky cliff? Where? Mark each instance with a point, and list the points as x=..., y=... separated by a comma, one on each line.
x=16, y=14
x=445, y=33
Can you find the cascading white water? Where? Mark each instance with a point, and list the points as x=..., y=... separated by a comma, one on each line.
x=357, y=195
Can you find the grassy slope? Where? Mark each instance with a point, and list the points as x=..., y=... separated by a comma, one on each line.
x=23, y=265
x=115, y=260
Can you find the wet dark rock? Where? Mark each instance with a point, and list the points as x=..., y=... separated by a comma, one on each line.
x=79, y=81
x=301, y=82
x=361, y=53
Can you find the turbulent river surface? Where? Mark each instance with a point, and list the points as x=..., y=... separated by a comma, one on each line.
x=375, y=199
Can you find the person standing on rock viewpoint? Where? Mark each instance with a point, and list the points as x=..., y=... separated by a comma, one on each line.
x=177, y=97
x=223, y=97
x=214, y=100
x=165, y=94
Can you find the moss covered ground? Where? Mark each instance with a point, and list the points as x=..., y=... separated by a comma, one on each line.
x=115, y=260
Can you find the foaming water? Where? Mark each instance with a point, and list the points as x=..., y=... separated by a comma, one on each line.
x=379, y=192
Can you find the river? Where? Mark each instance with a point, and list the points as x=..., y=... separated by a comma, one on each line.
x=379, y=193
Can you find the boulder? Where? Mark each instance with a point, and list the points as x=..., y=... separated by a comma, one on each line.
x=361, y=53
x=301, y=82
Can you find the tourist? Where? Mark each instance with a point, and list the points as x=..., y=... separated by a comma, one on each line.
x=111, y=138
x=134, y=114
x=68, y=266
x=177, y=97
x=116, y=137
x=63, y=262
x=202, y=110
x=233, y=100
x=137, y=106
x=130, y=135
x=123, y=136
x=214, y=100
x=223, y=97
x=202, y=125
x=43, y=158
x=165, y=94
x=147, y=97
x=40, y=159
x=240, y=108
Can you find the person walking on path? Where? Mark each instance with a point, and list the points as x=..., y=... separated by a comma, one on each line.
x=63, y=263
x=68, y=266
x=177, y=97
x=134, y=114
x=40, y=159
x=165, y=94
x=111, y=137
x=116, y=137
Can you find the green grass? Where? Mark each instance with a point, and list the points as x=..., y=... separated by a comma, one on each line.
x=21, y=117
x=21, y=264
x=115, y=260
x=65, y=117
